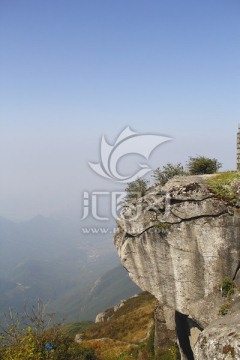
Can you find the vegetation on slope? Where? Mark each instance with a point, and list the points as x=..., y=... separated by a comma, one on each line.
x=130, y=323
x=128, y=334
x=72, y=329
x=226, y=185
x=125, y=334
x=40, y=339
x=33, y=346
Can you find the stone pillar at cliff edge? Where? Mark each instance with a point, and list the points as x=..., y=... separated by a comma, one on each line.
x=238, y=148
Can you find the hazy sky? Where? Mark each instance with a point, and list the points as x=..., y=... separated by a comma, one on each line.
x=73, y=70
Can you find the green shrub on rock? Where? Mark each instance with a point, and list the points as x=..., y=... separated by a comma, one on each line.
x=168, y=172
x=136, y=189
x=202, y=165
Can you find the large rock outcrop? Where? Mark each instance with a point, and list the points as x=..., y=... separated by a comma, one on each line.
x=178, y=242
x=220, y=340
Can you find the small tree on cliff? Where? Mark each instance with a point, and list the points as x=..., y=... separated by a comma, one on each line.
x=136, y=189
x=202, y=165
x=169, y=171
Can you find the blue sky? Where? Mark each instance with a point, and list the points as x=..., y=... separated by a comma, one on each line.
x=73, y=70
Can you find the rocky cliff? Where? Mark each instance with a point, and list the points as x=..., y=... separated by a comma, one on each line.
x=179, y=242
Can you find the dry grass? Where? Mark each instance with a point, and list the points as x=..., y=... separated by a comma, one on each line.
x=128, y=335
x=131, y=323
x=109, y=349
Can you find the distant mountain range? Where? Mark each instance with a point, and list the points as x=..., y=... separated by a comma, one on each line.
x=77, y=276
